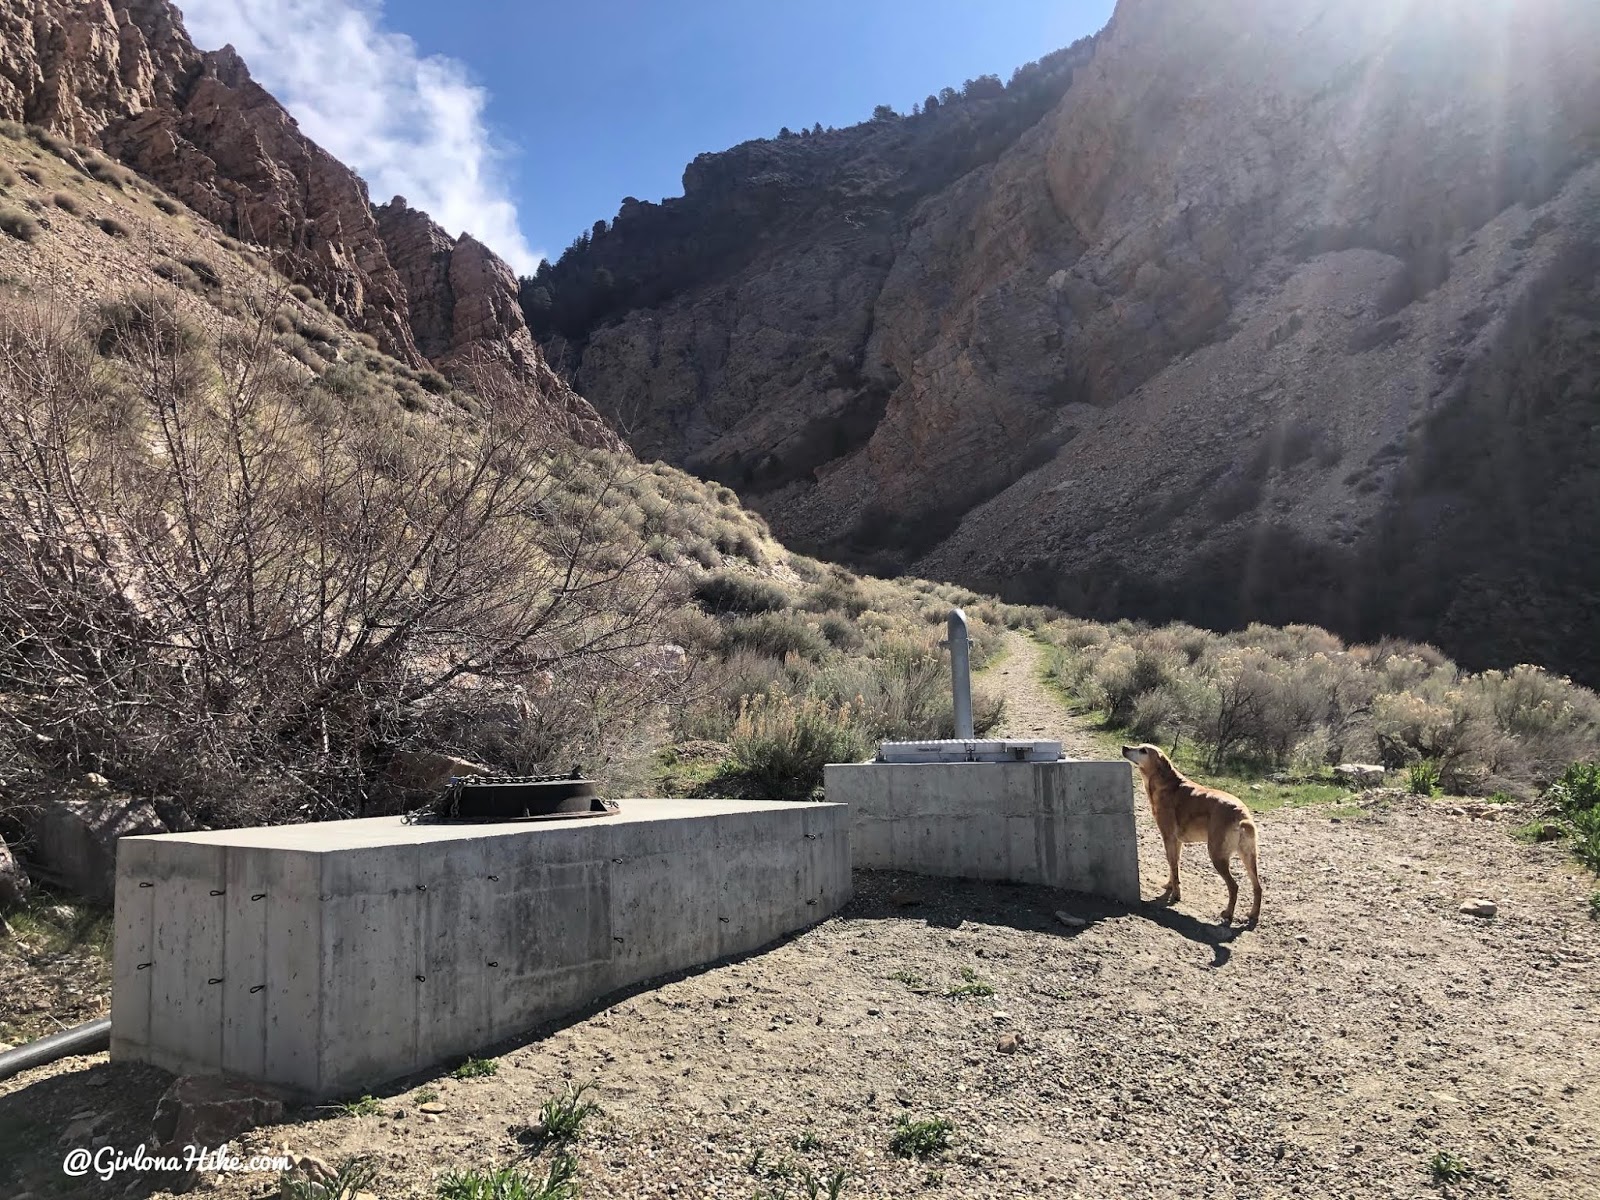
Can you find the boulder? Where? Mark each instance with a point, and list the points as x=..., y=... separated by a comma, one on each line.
x=1479, y=908
x=207, y=1110
x=74, y=838
x=666, y=659
x=1360, y=775
x=13, y=879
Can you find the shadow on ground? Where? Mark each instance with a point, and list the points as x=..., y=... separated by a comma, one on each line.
x=951, y=903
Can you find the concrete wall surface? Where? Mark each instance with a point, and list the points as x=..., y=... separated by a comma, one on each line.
x=330, y=958
x=1061, y=824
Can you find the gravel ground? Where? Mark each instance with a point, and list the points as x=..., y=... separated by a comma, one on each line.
x=1364, y=1027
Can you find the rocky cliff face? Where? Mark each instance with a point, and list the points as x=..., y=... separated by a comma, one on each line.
x=465, y=313
x=126, y=77
x=1285, y=310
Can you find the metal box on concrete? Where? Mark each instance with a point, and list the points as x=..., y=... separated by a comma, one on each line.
x=1062, y=824
x=329, y=958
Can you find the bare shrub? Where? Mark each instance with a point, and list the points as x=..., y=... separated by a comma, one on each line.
x=776, y=635
x=112, y=227
x=839, y=593
x=212, y=583
x=18, y=225
x=207, y=274
x=67, y=202
x=1160, y=714
x=731, y=592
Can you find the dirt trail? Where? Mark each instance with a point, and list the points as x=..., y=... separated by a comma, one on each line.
x=1032, y=709
x=1365, y=1028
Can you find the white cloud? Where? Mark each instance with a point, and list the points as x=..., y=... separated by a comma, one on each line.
x=409, y=125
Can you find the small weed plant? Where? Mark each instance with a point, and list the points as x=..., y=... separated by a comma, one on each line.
x=355, y=1176
x=559, y=1182
x=477, y=1068
x=1422, y=778
x=367, y=1106
x=562, y=1116
x=970, y=985
x=921, y=1139
x=1445, y=1167
x=1577, y=795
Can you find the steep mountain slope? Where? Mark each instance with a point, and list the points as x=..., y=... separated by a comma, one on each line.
x=1284, y=311
x=126, y=78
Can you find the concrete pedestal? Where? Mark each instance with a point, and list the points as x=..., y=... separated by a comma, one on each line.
x=1061, y=824
x=330, y=958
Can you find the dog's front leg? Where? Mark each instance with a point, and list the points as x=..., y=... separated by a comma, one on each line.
x=1174, y=846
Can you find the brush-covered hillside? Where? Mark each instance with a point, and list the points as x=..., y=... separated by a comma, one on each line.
x=257, y=570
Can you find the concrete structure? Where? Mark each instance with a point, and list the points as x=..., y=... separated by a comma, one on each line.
x=1061, y=824
x=330, y=958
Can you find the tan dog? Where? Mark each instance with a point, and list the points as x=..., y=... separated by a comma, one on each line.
x=1185, y=812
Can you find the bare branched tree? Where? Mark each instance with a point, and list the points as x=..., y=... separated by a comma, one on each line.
x=218, y=581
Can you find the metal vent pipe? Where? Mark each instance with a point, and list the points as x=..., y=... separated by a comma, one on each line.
x=961, y=672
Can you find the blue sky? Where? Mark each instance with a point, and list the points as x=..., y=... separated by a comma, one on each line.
x=524, y=123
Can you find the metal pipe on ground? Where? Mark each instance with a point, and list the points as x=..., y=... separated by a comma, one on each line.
x=961, y=672
x=89, y=1038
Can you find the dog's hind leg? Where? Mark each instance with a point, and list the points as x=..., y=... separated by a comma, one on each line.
x=1247, y=852
x=1220, y=856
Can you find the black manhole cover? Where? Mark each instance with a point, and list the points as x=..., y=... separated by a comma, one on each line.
x=521, y=798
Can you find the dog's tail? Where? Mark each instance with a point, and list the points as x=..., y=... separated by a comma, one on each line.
x=1247, y=852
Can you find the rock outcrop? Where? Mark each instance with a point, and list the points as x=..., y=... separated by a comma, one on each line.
x=126, y=78
x=466, y=317
x=1285, y=310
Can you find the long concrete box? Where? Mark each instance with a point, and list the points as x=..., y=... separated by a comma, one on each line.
x=329, y=958
x=1061, y=824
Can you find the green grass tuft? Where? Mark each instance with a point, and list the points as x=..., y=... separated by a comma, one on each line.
x=562, y=1117
x=367, y=1106
x=970, y=985
x=1422, y=778
x=921, y=1139
x=477, y=1068
x=560, y=1182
